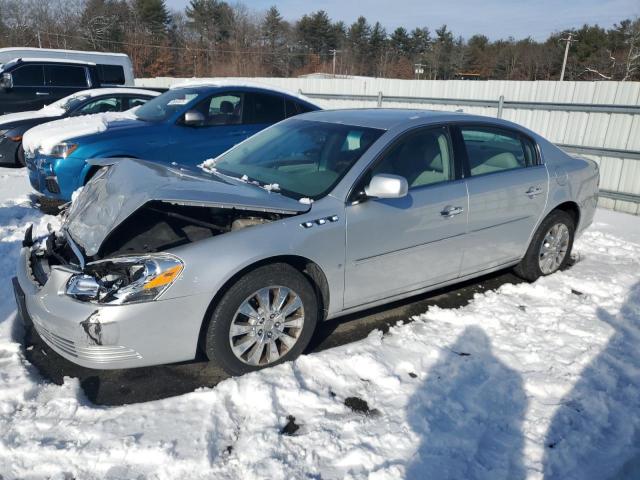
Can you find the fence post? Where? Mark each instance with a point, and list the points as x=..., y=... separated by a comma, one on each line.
x=379, y=99
x=500, y=105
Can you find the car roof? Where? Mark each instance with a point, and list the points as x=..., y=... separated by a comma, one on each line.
x=388, y=118
x=95, y=92
x=54, y=60
x=206, y=85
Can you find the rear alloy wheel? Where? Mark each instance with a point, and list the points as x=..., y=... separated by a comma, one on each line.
x=267, y=317
x=550, y=248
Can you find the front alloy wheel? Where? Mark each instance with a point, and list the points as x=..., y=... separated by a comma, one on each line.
x=266, y=325
x=266, y=317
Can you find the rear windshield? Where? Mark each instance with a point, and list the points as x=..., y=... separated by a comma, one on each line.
x=69, y=103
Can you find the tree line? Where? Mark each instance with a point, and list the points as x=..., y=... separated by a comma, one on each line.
x=216, y=38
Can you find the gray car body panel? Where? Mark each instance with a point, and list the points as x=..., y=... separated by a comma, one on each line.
x=361, y=254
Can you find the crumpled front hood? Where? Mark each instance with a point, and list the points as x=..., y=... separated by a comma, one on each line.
x=115, y=193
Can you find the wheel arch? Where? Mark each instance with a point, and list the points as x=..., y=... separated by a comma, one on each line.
x=572, y=209
x=310, y=269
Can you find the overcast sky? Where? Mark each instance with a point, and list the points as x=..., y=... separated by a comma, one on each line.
x=493, y=18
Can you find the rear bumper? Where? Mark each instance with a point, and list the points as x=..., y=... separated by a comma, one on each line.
x=108, y=336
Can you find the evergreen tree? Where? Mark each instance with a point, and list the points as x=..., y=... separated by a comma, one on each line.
x=377, y=51
x=211, y=20
x=274, y=32
x=153, y=15
x=401, y=43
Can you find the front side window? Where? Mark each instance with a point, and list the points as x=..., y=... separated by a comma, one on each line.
x=304, y=158
x=491, y=150
x=223, y=109
x=28, y=76
x=109, y=104
x=422, y=157
x=166, y=105
x=65, y=76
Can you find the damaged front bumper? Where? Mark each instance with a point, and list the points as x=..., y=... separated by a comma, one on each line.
x=107, y=336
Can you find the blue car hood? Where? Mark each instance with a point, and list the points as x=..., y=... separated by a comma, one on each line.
x=115, y=193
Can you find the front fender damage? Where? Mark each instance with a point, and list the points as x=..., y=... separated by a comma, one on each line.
x=99, y=332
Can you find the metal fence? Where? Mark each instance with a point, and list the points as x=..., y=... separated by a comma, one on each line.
x=599, y=120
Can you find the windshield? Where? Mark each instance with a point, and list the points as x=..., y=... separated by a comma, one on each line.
x=304, y=158
x=165, y=105
x=69, y=103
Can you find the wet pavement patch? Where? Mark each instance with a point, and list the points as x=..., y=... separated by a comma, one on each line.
x=291, y=427
x=359, y=405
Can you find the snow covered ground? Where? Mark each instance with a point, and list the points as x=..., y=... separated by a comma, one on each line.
x=530, y=381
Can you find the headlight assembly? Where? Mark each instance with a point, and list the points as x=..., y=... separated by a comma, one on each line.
x=63, y=150
x=125, y=279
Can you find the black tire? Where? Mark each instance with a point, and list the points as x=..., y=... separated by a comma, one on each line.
x=529, y=266
x=216, y=338
x=20, y=156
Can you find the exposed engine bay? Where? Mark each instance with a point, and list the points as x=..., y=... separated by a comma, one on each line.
x=159, y=225
x=155, y=227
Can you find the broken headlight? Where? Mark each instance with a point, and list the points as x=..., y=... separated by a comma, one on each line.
x=125, y=280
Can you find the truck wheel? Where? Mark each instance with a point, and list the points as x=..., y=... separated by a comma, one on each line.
x=267, y=317
x=550, y=248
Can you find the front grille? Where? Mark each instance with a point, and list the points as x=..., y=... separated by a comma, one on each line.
x=95, y=354
x=52, y=184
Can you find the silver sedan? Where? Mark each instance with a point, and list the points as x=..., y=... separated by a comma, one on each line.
x=318, y=216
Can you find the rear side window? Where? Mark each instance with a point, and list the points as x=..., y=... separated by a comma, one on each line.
x=265, y=108
x=293, y=108
x=111, y=74
x=28, y=76
x=491, y=150
x=65, y=76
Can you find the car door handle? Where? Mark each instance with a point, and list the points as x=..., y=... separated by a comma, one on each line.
x=450, y=211
x=42, y=93
x=533, y=191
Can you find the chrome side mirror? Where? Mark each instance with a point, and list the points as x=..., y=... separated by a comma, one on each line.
x=193, y=118
x=6, y=81
x=385, y=185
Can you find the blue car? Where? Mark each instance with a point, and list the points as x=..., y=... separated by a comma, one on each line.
x=185, y=125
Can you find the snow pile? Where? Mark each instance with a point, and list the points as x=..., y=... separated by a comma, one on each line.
x=45, y=112
x=531, y=380
x=44, y=137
